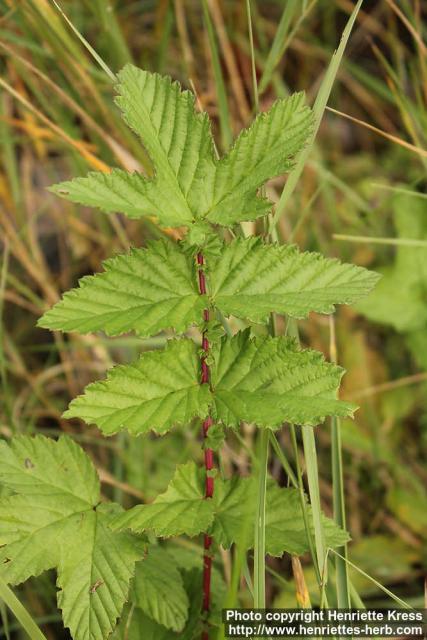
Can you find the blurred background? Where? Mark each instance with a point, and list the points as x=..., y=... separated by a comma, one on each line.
x=362, y=198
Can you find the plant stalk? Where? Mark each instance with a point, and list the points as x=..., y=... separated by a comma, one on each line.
x=209, y=456
x=21, y=614
x=259, y=546
x=342, y=579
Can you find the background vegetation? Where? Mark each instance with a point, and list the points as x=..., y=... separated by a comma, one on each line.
x=362, y=197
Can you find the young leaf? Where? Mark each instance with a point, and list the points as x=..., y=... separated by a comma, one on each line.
x=265, y=150
x=180, y=145
x=158, y=391
x=182, y=509
x=189, y=183
x=269, y=381
x=145, y=291
x=178, y=139
x=54, y=520
x=251, y=279
x=158, y=590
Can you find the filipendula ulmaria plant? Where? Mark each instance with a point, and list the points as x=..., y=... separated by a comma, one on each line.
x=53, y=517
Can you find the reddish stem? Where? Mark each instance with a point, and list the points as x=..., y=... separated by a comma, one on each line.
x=209, y=458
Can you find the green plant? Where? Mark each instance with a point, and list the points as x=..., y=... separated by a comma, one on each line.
x=54, y=517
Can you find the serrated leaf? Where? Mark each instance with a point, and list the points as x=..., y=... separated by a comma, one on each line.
x=235, y=502
x=251, y=280
x=136, y=625
x=182, y=509
x=234, y=505
x=42, y=466
x=269, y=381
x=95, y=570
x=158, y=391
x=285, y=529
x=54, y=520
x=189, y=183
x=158, y=590
x=229, y=516
x=214, y=438
x=130, y=193
x=193, y=580
x=146, y=291
x=153, y=289
x=178, y=139
x=180, y=146
x=265, y=150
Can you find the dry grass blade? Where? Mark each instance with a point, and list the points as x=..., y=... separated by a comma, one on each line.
x=78, y=145
x=230, y=61
x=414, y=33
x=384, y=134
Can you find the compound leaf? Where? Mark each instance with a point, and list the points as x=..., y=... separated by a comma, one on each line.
x=54, y=520
x=158, y=391
x=189, y=183
x=269, y=381
x=159, y=591
x=285, y=528
x=180, y=145
x=182, y=509
x=229, y=516
x=251, y=280
x=265, y=150
x=145, y=291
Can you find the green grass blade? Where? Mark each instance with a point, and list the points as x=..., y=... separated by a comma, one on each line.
x=4, y=620
x=343, y=595
x=304, y=503
x=279, y=43
x=312, y=470
x=403, y=242
x=259, y=546
x=283, y=459
x=253, y=63
x=164, y=44
x=318, y=109
x=310, y=454
x=264, y=435
x=20, y=613
x=106, y=13
x=224, y=112
x=104, y=66
x=392, y=595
